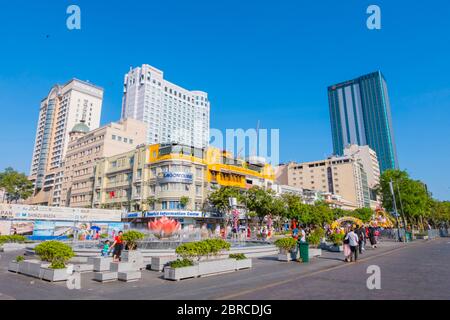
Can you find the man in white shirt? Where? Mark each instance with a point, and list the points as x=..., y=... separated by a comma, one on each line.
x=353, y=241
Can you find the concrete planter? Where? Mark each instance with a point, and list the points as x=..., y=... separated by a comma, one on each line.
x=129, y=276
x=54, y=275
x=158, y=263
x=314, y=252
x=135, y=257
x=285, y=255
x=83, y=268
x=107, y=276
x=14, y=266
x=422, y=237
x=100, y=263
x=206, y=268
x=177, y=274
x=216, y=266
x=243, y=264
x=32, y=268
x=122, y=267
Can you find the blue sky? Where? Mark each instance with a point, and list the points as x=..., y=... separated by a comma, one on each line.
x=259, y=60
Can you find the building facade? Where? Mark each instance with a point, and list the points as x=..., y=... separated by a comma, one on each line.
x=85, y=148
x=173, y=114
x=172, y=180
x=65, y=106
x=340, y=176
x=360, y=113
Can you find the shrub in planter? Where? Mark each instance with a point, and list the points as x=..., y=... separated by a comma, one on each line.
x=286, y=244
x=20, y=259
x=237, y=256
x=181, y=263
x=337, y=239
x=198, y=249
x=55, y=252
x=316, y=236
x=15, y=238
x=131, y=237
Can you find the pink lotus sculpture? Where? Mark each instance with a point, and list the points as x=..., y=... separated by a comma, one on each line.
x=164, y=227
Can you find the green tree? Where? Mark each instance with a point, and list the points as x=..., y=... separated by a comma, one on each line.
x=150, y=202
x=296, y=209
x=412, y=198
x=364, y=214
x=260, y=201
x=16, y=185
x=220, y=198
x=184, y=201
x=321, y=214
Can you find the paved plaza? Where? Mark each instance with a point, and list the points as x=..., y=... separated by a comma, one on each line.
x=417, y=270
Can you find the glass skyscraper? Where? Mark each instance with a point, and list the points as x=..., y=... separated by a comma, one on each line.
x=360, y=114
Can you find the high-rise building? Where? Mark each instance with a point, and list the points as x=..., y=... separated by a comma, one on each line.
x=172, y=113
x=360, y=113
x=65, y=106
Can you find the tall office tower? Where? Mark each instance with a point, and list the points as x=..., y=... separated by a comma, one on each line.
x=172, y=113
x=360, y=114
x=65, y=106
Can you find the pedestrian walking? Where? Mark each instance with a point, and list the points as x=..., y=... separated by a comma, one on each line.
x=360, y=232
x=372, y=238
x=347, y=250
x=353, y=242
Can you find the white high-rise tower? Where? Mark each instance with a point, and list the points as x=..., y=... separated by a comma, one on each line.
x=66, y=105
x=172, y=113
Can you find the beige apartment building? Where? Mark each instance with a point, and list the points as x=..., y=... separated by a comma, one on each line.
x=85, y=148
x=64, y=107
x=341, y=176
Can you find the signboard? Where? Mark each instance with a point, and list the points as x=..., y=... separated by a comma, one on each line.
x=181, y=214
x=132, y=215
x=167, y=176
x=30, y=212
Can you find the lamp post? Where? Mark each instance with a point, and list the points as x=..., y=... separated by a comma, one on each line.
x=395, y=210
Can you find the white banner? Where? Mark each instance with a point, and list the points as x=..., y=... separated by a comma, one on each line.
x=30, y=212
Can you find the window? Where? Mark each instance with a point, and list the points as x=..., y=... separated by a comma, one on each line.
x=114, y=137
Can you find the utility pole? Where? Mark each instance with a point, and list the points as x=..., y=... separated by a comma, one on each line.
x=395, y=210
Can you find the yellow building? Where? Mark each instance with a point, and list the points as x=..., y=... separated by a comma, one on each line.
x=172, y=180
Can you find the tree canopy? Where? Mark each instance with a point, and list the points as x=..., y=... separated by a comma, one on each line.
x=16, y=185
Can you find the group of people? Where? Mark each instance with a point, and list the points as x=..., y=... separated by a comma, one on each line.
x=355, y=240
x=116, y=248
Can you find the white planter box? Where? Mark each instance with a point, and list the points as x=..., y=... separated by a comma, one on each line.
x=314, y=252
x=54, y=275
x=83, y=268
x=14, y=266
x=180, y=273
x=243, y=264
x=206, y=268
x=122, y=267
x=216, y=266
x=32, y=268
x=158, y=263
x=105, y=276
x=288, y=256
x=101, y=263
x=129, y=276
x=135, y=257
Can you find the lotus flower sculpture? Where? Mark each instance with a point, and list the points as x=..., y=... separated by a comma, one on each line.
x=164, y=227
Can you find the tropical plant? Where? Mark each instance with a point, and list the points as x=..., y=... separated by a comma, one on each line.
x=220, y=198
x=55, y=252
x=364, y=214
x=131, y=237
x=237, y=256
x=316, y=236
x=202, y=248
x=286, y=243
x=20, y=259
x=336, y=238
x=181, y=263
